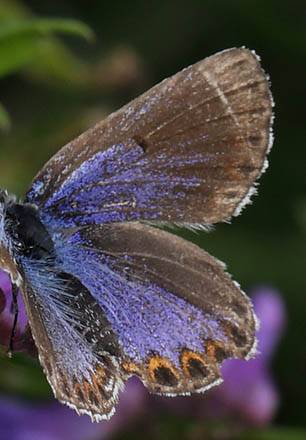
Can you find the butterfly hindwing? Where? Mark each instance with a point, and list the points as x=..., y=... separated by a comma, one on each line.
x=175, y=310
x=76, y=345
x=186, y=151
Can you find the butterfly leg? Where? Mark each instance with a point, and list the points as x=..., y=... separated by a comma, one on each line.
x=15, y=309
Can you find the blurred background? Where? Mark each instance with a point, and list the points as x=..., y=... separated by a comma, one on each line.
x=57, y=78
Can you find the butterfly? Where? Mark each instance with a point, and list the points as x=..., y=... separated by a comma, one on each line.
x=108, y=293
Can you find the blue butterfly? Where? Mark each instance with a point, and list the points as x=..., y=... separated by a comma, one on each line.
x=108, y=294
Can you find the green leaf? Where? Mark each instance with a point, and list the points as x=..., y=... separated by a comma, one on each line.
x=44, y=27
x=21, y=42
x=5, y=122
x=13, y=9
x=15, y=52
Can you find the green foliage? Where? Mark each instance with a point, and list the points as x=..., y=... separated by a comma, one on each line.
x=21, y=42
x=28, y=44
x=275, y=434
x=4, y=119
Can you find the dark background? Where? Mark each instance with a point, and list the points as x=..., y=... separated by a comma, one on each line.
x=150, y=41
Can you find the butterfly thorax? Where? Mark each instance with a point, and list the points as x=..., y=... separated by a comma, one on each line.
x=21, y=235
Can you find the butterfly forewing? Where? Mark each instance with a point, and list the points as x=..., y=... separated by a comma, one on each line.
x=186, y=151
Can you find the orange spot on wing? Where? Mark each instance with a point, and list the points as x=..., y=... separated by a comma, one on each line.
x=210, y=349
x=88, y=388
x=130, y=367
x=95, y=381
x=159, y=362
x=186, y=356
x=215, y=351
x=100, y=373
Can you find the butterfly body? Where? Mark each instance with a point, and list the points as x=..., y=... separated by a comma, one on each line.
x=107, y=294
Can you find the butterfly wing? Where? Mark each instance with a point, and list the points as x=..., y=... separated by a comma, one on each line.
x=186, y=151
x=77, y=347
x=176, y=312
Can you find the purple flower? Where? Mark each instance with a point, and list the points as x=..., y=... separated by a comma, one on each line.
x=22, y=339
x=54, y=421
